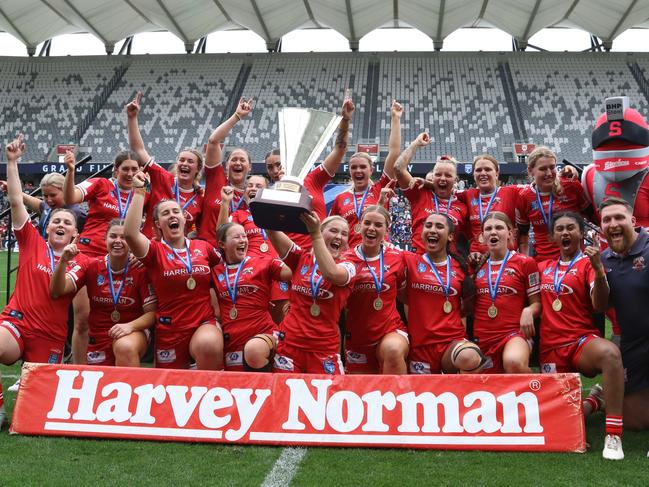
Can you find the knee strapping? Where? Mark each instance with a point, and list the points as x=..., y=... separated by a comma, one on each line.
x=460, y=347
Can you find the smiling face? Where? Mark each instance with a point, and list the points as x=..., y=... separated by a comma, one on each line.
x=187, y=168
x=125, y=172
x=52, y=196
x=254, y=184
x=170, y=220
x=235, y=244
x=274, y=167
x=238, y=167
x=436, y=235
x=61, y=229
x=360, y=169
x=336, y=234
x=373, y=229
x=568, y=236
x=544, y=173
x=115, y=243
x=485, y=175
x=617, y=226
x=496, y=234
x=443, y=178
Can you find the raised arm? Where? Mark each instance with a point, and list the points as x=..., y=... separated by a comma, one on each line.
x=61, y=284
x=138, y=243
x=336, y=156
x=599, y=294
x=394, y=142
x=332, y=272
x=227, y=193
x=401, y=166
x=71, y=194
x=213, y=154
x=135, y=141
x=14, y=150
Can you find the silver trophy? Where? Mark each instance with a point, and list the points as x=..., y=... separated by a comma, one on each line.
x=303, y=134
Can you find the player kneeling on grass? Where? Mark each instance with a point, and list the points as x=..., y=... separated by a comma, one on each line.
x=33, y=326
x=572, y=288
x=122, y=301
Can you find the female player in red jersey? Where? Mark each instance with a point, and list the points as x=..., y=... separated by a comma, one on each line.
x=376, y=339
x=243, y=285
x=123, y=303
x=435, y=196
x=179, y=270
x=309, y=338
x=351, y=203
x=507, y=300
x=573, y=286
x=486, y=197
x=33, y=326
x=182, y=185
x=439, y=293
x=238, y=167
x=107, y=199
x=543, y=198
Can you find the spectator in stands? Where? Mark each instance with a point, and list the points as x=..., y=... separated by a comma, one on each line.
x=309, y=339
x=546, y=196
x=243, y=284
x=376, y=339
x=507, y=300
x=107, y=199
x=363, y=193
x=179, y=269
x=274, y=168
x=123, y=302
x=34, y=326
x=181, y=185
x=627, y=269
x=239, y=166
x=435, y=195
x=573, y=286
x=400, y=232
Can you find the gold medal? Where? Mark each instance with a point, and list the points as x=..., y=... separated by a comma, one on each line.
x=191, y=283
x=234, y=313
x=492, y=311
x=557, y=305
x=114, y=316
x=357, y=228
x=481, y=238
x=315, y=310
x=448, y=307
x=263, y=247
x=378, y=304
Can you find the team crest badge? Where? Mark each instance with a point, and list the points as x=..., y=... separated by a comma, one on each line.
x=346, y=202
x=100, y=280
x=220, y=277
x=547, y=270
x=480, y=274
x=283, y=286
x=638, y=263
x=329, y=366
x=170, y=257
x=249, y=218
x=421, y=267
x=304, y=269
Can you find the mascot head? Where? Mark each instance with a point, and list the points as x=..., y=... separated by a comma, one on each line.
x=620, y=141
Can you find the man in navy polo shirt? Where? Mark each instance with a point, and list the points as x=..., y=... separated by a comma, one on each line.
x=627, y=269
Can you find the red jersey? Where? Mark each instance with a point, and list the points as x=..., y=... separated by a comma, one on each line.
x=505, y=200
x=256, y=236
x=529, y=213
x=163, y=187
x=365, y=324
x=31, y=308
x=301, y=329
x=101, y=196
x=427, y=322
x=574, y=320
x=314, y=182
x=519, y=280
x=252, y=298
x=179, y=308
x=344, y=206
x=135, y=294
x=422, y=203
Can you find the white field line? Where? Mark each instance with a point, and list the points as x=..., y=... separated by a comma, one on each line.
x=285, y=467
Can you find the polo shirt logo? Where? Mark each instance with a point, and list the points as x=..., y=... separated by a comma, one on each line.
x=639, y=263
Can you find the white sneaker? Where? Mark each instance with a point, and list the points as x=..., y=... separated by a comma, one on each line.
x=612, y=448
x=15, y=387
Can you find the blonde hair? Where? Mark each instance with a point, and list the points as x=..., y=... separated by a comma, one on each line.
x=53, y=179
x=363, y=155
x=538, y=153
x=378, y=209
x=489, y=158
x=199, y=174
x=330, y=219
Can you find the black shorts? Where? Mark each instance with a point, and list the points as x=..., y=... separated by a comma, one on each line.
x=635, y=357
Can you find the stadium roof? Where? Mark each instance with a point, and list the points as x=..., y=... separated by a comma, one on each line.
x=34, y=21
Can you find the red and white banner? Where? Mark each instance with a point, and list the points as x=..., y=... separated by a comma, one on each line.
x=482, y=412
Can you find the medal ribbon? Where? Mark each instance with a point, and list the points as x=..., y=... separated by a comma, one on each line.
x=557, y=282
x=447, y=286
x=187, y=263
x=546, y=218
x=232, y=289
x=118, y=196
x=115, y=294
x=176, y=190
x=46, y=218
x=358, y=209
x=378, y=281
x=239, y=203
x=315, y=286
x=491, y=202
x=448, y=205
x=493, y=290
x=50, y=253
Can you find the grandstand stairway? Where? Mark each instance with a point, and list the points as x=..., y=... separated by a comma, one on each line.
x=371, y=100
x=507, y=81
x=639, y=77
x=237, y=91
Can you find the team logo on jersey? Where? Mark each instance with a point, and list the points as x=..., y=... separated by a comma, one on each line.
x=283, y=363
x=198, y=253
x=480, y=274
x=346, y=202
x=166, y=356
x=233, y=359
x=221, y=277
x=54, y=357
x=100, y=280
x=128, y=281
x=329, y=366
x=550, y=368
x=304, y=269
x=638, y=263
x=421, y=267
x=547, y=270
x=534, y=205
x=283, y=286
x=419, y=367
x=249, y=218
x=474, y=201
x=170, y=257
x=96, y=357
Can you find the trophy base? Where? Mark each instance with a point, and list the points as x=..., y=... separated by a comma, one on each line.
x=280, y=210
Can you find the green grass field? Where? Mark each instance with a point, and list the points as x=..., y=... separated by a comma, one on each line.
x=65, y=461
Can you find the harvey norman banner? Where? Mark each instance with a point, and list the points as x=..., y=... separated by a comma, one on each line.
x=485, y=412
